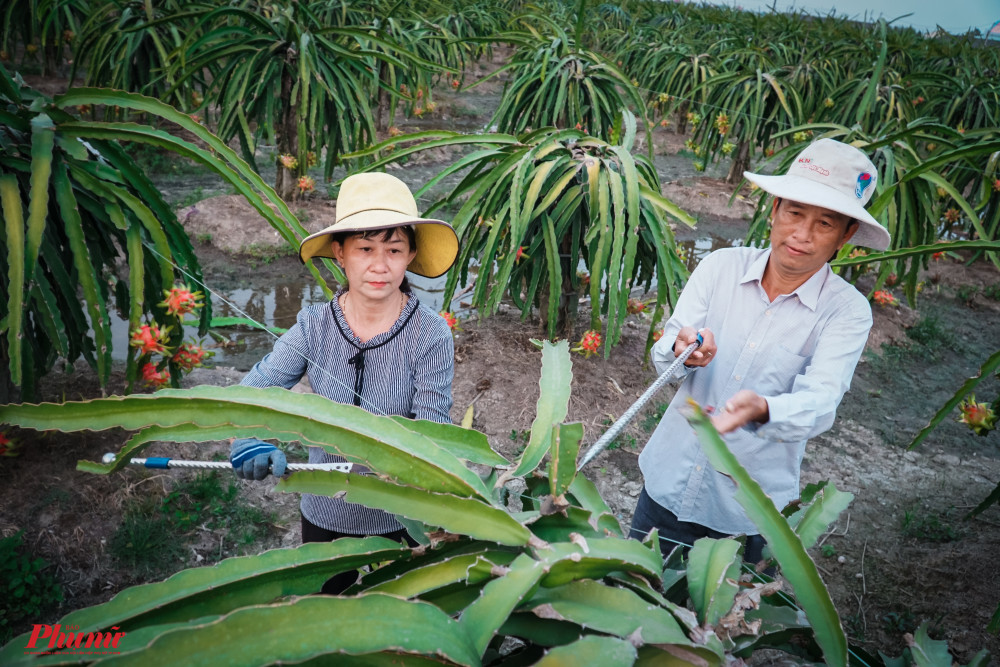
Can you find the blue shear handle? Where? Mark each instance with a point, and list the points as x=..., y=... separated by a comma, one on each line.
x=158, y=462
x=699, y=340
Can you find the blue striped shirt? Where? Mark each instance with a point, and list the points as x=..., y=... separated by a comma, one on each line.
x=798, y=352
x=410, y=376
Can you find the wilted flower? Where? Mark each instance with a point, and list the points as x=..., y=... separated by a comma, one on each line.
x=455, y=84
x=722, y=123
x=768, y=152
x=800, y=136
x=306, y=184
x=657, y=335
x=589, y=344
x=699, y=166
x=885, y=298
x=150, y=339
x=828, y=103
x=663, y=98
x=394, y=131
x=891, y=280
x=635, y=306
x=83, y=108
x=694, y=119
x=4, y=56
x=68, y=35
x=420, y=93
x=952, y=215
x=938, y=256
x=289, y=161
x=727, y=148
x=310, y=158
x=664, y=122
x=154, y=378
x=190, y=356
x=196, y=98
x=583, y=277
x=181, y=300
x=919, y=100
x=419, y=111
x=31, y=48
x=941, y=192
x=996, y=185
x=977, y=416
x=431, y=106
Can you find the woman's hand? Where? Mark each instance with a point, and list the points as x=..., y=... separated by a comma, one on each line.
x=703, y=355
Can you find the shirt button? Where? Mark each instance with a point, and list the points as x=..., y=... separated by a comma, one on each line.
x=768, y=313
x=698, y=468
x=737, y=378
x=753, y=345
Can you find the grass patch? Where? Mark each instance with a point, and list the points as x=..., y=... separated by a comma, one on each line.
x=155, y=535
x=155, y=160
x=929, y=527
x=265, y=254
x=928, y=334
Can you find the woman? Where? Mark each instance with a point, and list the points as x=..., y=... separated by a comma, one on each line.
x=374, y=345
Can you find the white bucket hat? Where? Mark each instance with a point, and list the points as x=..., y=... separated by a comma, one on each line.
x=380, y=201
x=832, y=175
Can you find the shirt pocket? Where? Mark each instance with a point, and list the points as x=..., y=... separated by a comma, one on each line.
x=779, y=371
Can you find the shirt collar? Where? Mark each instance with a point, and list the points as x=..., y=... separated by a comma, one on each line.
x=808, y=292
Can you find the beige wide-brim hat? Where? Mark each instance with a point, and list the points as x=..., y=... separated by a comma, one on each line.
x=380, y=201
x=832, y=175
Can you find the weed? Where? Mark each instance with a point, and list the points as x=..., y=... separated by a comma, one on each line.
x=854, y=626
x=899, y=622
x=152, y=159
x=929, y=527
x=154, y=535
x=144, y=542
x=266, y=253
x=992, y=291
x=459, y=110
x=26, y=589
x=203, y=238
x=828, y=551
x=652, y=419
x=966, y=293
x=190, y=199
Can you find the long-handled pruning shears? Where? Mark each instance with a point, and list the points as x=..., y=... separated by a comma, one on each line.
x=630, y=414
x=166, y=463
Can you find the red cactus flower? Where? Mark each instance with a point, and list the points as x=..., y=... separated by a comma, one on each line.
x=520, y=254
x=722, y=123
x=584, y=278
x=288, y=161
x=190, y=356
x=891, y=280
x=451, y=319
x=635, y=306
x=8, y=446
x=154, y=378
x=768, y=152
x=310, y=158
x=657, y=335
x=181, y=300
x=579, y=126
x=420, y=93
x=952, y=215
x=589, y=344
x=150, y=339
x=885, y=298
x=996, y=185
x=938, y=256
x=306, y=184
x=977, y=416
x=455, y=84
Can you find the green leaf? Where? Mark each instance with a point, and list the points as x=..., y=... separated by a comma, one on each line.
x=13, y=215
x=369, y=623
x=482, y=618
x=617, y=611
x=812, y=521
x=713, y=574
x=796, y=566
x=42, y=140
x=590, y=651
x=927, y=652
x=553, y=404
x=562, y=459
x=462, y=516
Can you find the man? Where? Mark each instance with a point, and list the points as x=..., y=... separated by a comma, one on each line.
x=782, y=335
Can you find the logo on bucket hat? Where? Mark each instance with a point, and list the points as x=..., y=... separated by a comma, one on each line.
x=864, y=180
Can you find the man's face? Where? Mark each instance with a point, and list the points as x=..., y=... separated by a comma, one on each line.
x=804, y=237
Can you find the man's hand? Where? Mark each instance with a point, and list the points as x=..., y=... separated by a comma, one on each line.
x=701, y=356
x=744, y=407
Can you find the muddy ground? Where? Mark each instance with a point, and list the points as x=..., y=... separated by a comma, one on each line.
x=908, y=556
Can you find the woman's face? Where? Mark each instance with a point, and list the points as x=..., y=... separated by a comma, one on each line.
x=374, y=267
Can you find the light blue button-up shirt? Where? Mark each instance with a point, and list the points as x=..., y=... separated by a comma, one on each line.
x=798, y=352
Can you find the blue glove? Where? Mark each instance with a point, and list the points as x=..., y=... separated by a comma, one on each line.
x=255, y=459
